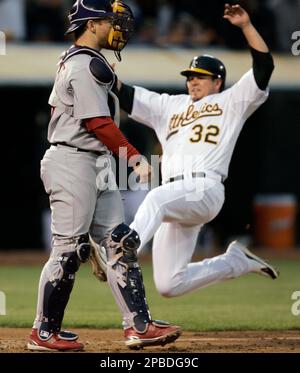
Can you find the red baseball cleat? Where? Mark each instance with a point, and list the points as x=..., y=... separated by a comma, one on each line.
x=158, y=333
x=63, y=341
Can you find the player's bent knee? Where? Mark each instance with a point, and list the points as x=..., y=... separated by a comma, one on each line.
x=166, y=289
x=169, y=286
x=166, y=292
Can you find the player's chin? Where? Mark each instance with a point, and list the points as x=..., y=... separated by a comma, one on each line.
x=196, y=96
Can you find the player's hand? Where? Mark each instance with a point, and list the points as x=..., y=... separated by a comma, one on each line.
x=144, y=170
x=236, y=15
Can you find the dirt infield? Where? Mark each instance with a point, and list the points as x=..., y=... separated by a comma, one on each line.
x=108, y=341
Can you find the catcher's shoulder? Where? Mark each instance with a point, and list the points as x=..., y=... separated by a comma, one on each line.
x=101, y=71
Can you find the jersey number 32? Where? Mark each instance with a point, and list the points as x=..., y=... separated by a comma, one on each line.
x=207, y=134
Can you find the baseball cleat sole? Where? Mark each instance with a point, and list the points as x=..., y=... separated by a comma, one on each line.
x=137, y=343
x=35, y=347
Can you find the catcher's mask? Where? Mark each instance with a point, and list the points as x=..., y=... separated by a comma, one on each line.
x=207, y=65
x=120, y=14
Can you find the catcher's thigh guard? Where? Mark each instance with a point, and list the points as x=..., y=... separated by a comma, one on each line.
x=125, y=277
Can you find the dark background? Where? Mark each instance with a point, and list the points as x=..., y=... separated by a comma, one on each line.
x=266, y=160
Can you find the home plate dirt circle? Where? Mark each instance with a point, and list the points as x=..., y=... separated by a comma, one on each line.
x=111, y=340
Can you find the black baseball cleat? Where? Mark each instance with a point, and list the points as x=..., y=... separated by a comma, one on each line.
x=256, y=264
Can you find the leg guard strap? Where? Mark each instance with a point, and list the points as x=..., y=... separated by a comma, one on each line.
x=57, y=290
x=125, y=276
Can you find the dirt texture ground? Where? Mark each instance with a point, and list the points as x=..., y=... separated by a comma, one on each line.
x=108, y=341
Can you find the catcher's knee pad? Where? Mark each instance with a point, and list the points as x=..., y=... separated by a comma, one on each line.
x=126, y=238
x=125, y=276
x=122, y=242
x=58, y=287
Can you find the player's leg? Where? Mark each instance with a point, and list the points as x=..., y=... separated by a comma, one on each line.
x=126, y=282
x=151, y=213
x=108, y=214
x=183, y=202
x=68, y=178
x=174, y=275
x=124, y=274
x=55, y=286
x=244, y=261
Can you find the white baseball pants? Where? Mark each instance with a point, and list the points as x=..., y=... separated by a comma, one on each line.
x=174, y=213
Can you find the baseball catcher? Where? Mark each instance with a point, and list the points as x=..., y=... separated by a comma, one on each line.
x=83, y=133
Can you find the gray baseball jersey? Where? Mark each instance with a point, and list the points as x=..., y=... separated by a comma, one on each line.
x=78, y=95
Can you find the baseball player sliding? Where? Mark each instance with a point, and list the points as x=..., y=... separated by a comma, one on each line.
x=83, y=131
x=198, y=133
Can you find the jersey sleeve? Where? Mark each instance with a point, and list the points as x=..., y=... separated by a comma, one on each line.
x=245, y=95
x=90, y=97
x=148, y=107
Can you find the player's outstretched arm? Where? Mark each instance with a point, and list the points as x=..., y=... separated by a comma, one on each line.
x=263, y=64
x=126, y=96
x=237, y=16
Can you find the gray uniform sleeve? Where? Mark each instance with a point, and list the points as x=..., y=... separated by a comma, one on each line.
x=90, y=97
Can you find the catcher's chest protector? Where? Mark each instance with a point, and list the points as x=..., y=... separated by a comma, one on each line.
x=101, y=71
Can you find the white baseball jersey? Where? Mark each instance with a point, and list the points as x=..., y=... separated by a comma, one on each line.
x=76, y=90
x=198, y=136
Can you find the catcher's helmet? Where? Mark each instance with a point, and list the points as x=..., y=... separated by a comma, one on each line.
x=206, y=65
x=83, y=10
x=120, y=14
